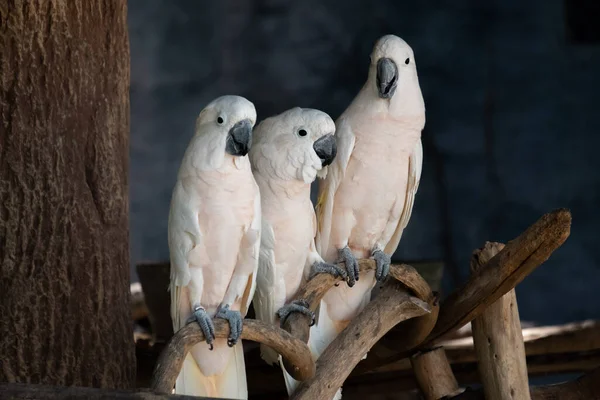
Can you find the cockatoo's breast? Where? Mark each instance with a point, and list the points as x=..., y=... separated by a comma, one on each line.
x=228, y=197
x=291, y=217
x=375, y=180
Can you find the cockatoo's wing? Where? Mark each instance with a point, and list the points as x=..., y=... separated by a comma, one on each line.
x=264, y=297
x=414, y=177
x=185, y=236
x=253, y=239
x=327, y=187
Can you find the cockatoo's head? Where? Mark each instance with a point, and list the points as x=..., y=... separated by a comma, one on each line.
x=294, y=145
x=392, y=66
x=229, y=119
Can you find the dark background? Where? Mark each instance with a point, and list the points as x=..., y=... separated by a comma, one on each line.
x=512, y=92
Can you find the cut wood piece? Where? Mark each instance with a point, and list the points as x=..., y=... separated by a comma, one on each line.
x=393, y=305
x=433, y=373
x=498, y=340
x=568, y=338
x=171, y=359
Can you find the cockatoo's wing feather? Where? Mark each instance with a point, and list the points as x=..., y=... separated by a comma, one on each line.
x=264, y=297
x=184, y=236
x=414, y=177
x=255, y=234
x=327, y=187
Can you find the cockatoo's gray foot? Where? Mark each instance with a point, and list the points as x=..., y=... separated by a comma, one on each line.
x=383, y=262
x=235, y=323
x=206, y=325
x=351, y=263
x=300, y=306
x=326, y=268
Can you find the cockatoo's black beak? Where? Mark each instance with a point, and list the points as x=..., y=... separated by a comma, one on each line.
x=239, y=138
x=387, y=77
x=326, y=149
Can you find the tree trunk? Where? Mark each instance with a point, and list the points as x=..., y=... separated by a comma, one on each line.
x=64, y=248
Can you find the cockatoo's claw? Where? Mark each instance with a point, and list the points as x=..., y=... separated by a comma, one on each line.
x=351, y=263
x=325, y=268
x=206, y=325
x=235, y=323
x=300, y=306
x=383, y=262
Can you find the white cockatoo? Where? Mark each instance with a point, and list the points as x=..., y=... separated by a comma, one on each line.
x=289, y=150
x=214, y=240
x=366, y=200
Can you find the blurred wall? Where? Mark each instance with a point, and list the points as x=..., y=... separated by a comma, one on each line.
x=512, y=116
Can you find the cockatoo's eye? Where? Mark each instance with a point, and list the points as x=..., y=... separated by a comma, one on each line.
x=220, y=120
x=302, y=132
x=407, y=61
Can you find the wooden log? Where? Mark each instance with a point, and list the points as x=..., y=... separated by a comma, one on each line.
x=539, y=340
x=64, y=232
x=503, y=272
x=510, y=266
x=433, y=374
x=171, y=360
x=498, y=340
x=393, y=305
x=23, y=391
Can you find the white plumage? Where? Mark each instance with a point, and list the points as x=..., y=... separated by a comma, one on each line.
x=366, y=200
x=214, y=238
x=288, y=152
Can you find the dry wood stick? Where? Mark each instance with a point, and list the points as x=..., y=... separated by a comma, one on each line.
x=393, y=305
x=498, y=340
x=433, y=373
x=171, y=359
x=510, y=266
x=503, y=272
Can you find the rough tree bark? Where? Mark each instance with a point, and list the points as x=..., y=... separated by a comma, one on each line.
x=64, y=272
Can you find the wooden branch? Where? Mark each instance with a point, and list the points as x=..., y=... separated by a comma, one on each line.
x=433, y=373
x=414, y=330
x=45, y=392
x=509, y=267
x=171, y=359
x=392, y=305
x=586, y=387
x=503, y=272
x=498, y=340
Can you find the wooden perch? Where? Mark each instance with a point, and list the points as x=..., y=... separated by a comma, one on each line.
x=393, y=305
x=433, y=373
x=171, y=359
x=314, y=290
x=501, y=274
x=498, y=340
